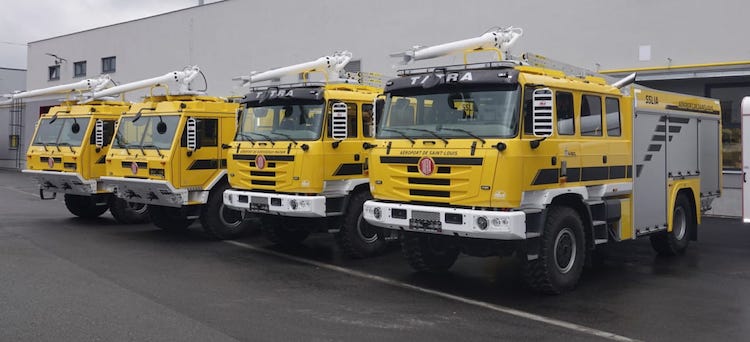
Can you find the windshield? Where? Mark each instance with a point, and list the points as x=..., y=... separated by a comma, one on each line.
x=451, y=114
x=295, y=121
x=61, y=132
x=145, y=132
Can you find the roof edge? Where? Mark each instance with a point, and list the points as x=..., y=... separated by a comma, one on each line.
x=126, y=22
x=677, y=67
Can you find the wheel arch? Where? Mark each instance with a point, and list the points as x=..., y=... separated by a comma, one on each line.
x=576, y=202
x=685, y=189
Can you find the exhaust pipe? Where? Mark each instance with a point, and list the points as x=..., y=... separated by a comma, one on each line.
x=627, y=80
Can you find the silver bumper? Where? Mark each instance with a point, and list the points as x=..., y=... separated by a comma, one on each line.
x=64, y=182
x=498, y=225
x=279, y=204
x=151, y=191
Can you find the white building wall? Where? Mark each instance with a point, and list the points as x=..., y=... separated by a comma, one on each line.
x=11, y=80
x=235, y=36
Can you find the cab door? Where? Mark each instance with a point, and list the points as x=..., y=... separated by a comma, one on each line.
x=200, y=163
x=344, y=159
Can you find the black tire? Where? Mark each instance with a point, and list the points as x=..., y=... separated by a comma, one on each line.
x=220, y=222
x=128, y=212
x=683, y=222
x=562, y=253
x=168, y=218
x=84, y=206
x=284, y=231
x=357, y=238
x=428, y=252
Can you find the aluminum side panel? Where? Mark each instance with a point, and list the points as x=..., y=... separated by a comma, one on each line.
x=682, y=146
x=710, y=151
x=649, y=172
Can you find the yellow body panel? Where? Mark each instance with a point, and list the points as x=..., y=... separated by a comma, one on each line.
x=291, y=169
x=181, y=168
x=85, y=160
x=471, y=174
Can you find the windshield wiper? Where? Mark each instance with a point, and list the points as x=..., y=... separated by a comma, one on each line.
x=429, y=131
x=67, y=144
x=45, y=146
x=246, y=137
x=400, y=133
x=57, y=146
x=286, y=136
x=465, y=131
x=262, y=135
x=155, y=147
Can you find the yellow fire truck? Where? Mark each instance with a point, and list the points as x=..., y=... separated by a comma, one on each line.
x=539, y=159
x=300, y=155
x=66, y=154
x=169, y=152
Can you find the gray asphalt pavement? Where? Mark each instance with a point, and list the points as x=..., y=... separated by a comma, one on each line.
x=68, y=279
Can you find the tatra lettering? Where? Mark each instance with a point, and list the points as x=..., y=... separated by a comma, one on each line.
x=452, y=77
x=466, y=77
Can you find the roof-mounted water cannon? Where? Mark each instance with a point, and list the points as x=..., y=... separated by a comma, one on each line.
x=331, y=67
x=500, y=40
x=81, y=89
x=181, y=79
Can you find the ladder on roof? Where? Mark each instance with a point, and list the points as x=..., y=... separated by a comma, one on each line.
x=569, y=69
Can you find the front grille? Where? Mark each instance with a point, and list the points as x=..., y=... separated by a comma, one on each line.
x=127, y=164
x=429, y=181
x=430, y=193
x=263, y=173
x=70, y=166
x=262, y=182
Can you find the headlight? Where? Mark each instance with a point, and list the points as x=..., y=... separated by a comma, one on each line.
x=482, y=222
x=377, y=213
x=500, y=222
x=293, y=204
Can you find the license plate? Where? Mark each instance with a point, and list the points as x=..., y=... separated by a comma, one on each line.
x=425, y=220
x=259, y=204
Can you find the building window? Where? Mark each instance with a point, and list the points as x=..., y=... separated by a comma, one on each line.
x=79, y=69
x=109, y=65
x=54, y=73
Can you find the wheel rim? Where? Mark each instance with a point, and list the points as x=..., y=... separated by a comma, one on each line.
x=137, y=208
x=679, y=224
x=565, y=250
x=366, y=232
x=229, y=217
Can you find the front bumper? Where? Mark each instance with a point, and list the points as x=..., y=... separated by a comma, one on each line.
x=499, y=225
x=64, y=182
x=279, y=204
x=149, y=191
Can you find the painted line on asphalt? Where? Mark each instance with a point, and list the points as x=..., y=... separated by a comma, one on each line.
x=396, y=283
x=19, y=191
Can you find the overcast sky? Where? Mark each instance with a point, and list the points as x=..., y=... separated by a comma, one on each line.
x=23, y=21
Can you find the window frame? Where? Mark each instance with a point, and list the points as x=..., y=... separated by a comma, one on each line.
x=53, y=76
x=106, y=66
x=76, y=70
x=619, y=116
x=581, y=116
x=572, y=112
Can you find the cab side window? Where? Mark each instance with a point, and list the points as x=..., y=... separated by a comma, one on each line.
x=612, y=105
x=591, y=115
x=109, y=131
x=367, y=123
x=207, y=131
x=565, y=119
x=528, y=105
